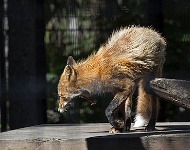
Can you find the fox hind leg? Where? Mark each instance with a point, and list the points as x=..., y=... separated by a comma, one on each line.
x=143, y=106
x=147, y=108
x=147, y=104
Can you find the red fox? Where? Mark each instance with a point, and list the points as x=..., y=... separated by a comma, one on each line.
x=131, y=57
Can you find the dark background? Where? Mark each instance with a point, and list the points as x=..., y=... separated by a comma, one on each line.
x=37, y=37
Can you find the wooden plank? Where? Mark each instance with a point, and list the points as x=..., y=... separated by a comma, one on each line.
x=95, y=136
x=172, y=90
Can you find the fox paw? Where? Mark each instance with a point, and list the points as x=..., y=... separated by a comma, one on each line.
x=114, y=130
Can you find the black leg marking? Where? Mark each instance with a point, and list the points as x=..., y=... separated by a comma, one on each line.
x=116, y=122
x=128, y=114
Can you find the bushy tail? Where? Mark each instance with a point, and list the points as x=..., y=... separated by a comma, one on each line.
x=144, y=106
x=144, y=103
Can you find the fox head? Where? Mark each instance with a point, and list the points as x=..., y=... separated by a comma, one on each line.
x=68, y=87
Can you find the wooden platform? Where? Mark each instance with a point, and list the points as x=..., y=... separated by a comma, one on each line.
x=174, y=136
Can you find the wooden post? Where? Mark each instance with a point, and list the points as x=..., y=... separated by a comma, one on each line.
x=26, y=64
x=172, y=90
x=2, y=72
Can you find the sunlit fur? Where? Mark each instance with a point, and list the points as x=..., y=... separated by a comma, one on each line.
x=130, y=54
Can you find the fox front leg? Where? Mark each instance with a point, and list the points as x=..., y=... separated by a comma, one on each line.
x=127, y=113
x=116, y=121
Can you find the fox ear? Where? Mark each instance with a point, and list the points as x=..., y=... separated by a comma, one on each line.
x=70, y=61
x=68, y=72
